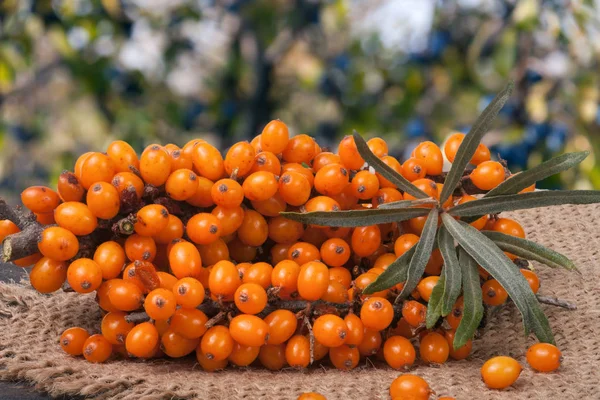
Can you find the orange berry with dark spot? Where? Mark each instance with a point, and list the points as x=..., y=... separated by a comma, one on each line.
x=73, y=339
x=275, y=137
x=40, y=199
x=76, y=217
x=84, y=275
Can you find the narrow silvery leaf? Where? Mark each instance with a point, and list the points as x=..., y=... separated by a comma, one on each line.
x=472, y=139
x=451, y=272
x=354, y=218
x=434, y=306
x=394, y=274
x=472, y=300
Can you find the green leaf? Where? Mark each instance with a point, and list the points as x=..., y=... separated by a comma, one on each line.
x=497, y=204
x=354, y=218
x=408, y=203
x=472, y=300
x=523, y=180
x=530, y=250
x=471, y=141
x=494, y=261
x=434, y=306
x=385, y=170
x=394, y=273
x=451, y=272
x=422, y=254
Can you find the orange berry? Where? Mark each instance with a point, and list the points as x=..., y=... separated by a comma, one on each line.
x=123, y=156
x=124, y=295
x=189, y=323
x=481, y=222
x=341, y=275
x=250, y=298
x=378, y=146
x=266, y=161
x=323, y=159
x=462, y=352
x=408, y=386
x=283, y=230
x=297, y=351
x=208, y=161
x=97, y=349
x=275, y=137
x=175, y=345
x=213, y=253
x=509, y=227
x=242, y=356
x=303, y=252
x=224, y=279
x=544, y=357
x=160, y=304
x=40, y=199
x=488, y=175
x=189, y=292
x=260, y=186
x=335, y=252
x=434, y=348
x=355, y=328
x=181, y=184
x=115, y=327
x=404, y=243
x=202, y=196
x=399, y=352
x=282, y=325
x=140, y=248
x=294, y=188
x=173, y=230
x=127, y=184
x=97, y=167
x=142, y=341
x=185, y=260
x=84, y=275
x=393, y=164
x=209, y=365
x=254, y=230
x=313, y=280
x=414, y=313
x=532, y=280
x=364, y=185
x=249, y=330
x=331, y=179
x=456, y=314
x=500, y=372
x=413, y=169
x=48, y=275
x=493, y=293
x=431, y=157
x=376, y=313
x=366, y=240
x=426, y=185
x=217, y=343
x=69, y=188
x=230, y=219
x=344, y=357
x=386, y=195
x=371, y=342
x=426, y=285
x=103, y=200
x=73, y=339
x=299, y=149
x=76, y=217
x=203, y=228
x=349, y=155
x=330, y=330
x=239, y=159
x=227, y=193
x=285, y=276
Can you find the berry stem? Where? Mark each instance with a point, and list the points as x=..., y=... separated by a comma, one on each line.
x=137, y=317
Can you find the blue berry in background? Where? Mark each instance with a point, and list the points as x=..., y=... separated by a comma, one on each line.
x=557, y=138
x=415, y=128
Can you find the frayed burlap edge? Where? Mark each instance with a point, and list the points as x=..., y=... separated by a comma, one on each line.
x=31, y=324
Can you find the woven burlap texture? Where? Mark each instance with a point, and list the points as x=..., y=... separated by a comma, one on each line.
x=31, y=324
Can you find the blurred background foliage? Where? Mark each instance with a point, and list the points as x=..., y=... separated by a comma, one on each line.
x=76, y=74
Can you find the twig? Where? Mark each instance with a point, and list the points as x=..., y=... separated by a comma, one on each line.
x=137, y=317
x=311, y=338
x=215, y=320
x=553, y=301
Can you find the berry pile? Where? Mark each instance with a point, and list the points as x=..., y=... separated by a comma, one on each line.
x=280, y=251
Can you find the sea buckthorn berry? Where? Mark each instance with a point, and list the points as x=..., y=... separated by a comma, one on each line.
x=341, y=275
x=431, y=157
x=259, y=273
x=250, y=298
x=500, y=372
x=399, y=352
x=240, y=252
x=275, y=137
x=127, y=184
x=344, y=357
x=151, y=220
x=103, y=200
x=322, y=203
x=488, y=175
x=179, y=159
x=203, y=228
x=544, y=357
x=102, y=296
x=279, y=252
x=336, y=293
x=185, y=260
x=532, y=280
x=79, y=163
x=160, y=304
x=242, y=356
x=224, y=279
x=97, y=349
x=239, y=159
x=260, y=186
x=408, y=386
x=413, y=169
x=249, y=330
x=45, y=219
x=283, y=230
x=285, y=276
x=393, y=164
x=493, y=293
x=140, y=248
x=330, y=330
x=364, y=185
x=230, y=219
x=84, y=275
x=202, y=197
x=40, y=199
x=217, y=343
x=452, y=144
x=313, y=280
x=323, y=159
x=124, y=295
x=142, y=340
x=266, y=161
x=311, y=396
x=227, y=193
x=173, y=230
x=404, y=243
x=349, y=155
x=209, y=365
x=378, y=146
x=294, y=188
x=456, y=314
x=331, y=179
x=426, y=285
x=462, y=352
x=383, y=261
x=366, y=240
x=300, y=149
x=48, y=275
x=303, y=252
x=115, y=327
x=122, y=155
x=355, y=328
x=270, y=207
x=414, y=313
x=175, y=345
x=480, y=223
x=69, y=188
x=181, y=184
x=272, y=356
x=214, y=252
x=434, y=348
x=376, y=313
x=189, y=147
x=297, y=351
x=282, y=325
x=189, y=292
x=110, y=256
x=208, y=161
x=335, y=252
x=364, y=280
x=73, y=339
x=76, y=217
x=509, y=227
x=315, y=236
x=296, y=167
x=254, y=230
x=97, y=167
x=189, y=322
x=426, y=185
x=371, y=342
x=155, y=165
x=166, y=280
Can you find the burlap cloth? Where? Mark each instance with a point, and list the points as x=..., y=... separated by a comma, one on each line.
x=30, y=325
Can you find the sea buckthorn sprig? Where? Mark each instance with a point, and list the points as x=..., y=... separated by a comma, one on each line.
x=281, y=253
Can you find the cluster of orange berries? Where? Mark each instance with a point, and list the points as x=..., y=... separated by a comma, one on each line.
x=178, y=231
